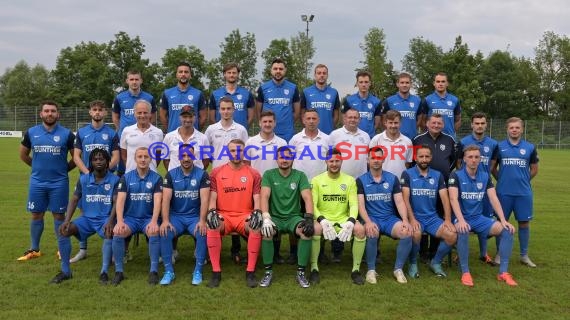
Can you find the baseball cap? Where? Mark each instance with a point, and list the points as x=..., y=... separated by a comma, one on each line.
x=187, y=110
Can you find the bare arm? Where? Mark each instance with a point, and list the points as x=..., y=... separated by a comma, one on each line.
x=116, y=117
x=115, y=157
x=79, y=162
x=533, y=170
x=25, y=155
x=264, y=196
x=163, y=118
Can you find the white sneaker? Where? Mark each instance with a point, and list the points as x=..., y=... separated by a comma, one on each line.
x=498, y=259
x=526, y=261
x=82, y=254
x=400, y=277
x=371, y=276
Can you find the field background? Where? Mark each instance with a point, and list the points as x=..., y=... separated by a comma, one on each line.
x=542, y=292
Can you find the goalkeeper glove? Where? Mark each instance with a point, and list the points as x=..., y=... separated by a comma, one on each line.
x=213, y=219
x=346, y=232
x=268, y=226
x=255, y=219
x=328, y=229
x=307, y=225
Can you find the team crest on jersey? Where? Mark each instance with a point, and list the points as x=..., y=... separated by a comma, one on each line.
x=343, y=187
x=190, y=97
x=412, y=104
x=293, y=186
x=105, y=136
x=442, y=147
x=328, y=96
x=479, y=185
x=523, y=152
x=370, y=106
x=486, y=149
x=243, y=179
x=149, y=185
x=56, y=138
x=431, y=181
x=193, y=182
x=107, y=186
x=239, y=96
x=386, y=185
x=286, y=91
x=449, y=103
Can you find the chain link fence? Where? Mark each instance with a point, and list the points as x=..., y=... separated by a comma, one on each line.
x=543, y=133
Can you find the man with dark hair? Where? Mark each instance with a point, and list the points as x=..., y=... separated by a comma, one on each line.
x=323, y=98
x=95, y=193
x=407, y=104
x=243, y=99
x=182, y=94
x=444, y=103
x=282, y=97
x=365, y=103
x=49, y=181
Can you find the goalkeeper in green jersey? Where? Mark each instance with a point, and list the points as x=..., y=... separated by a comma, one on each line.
x=336, y=210
x=282, y=189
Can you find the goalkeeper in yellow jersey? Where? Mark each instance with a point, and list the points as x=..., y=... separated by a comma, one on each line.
x=336, y=210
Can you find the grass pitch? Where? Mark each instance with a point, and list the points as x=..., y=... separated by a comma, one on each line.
x=26, y=294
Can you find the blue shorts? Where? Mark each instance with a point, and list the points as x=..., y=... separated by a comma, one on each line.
x=385, y=223
x=430, y=224
x=137, y=224
x=521, y=205
x=184, y=224
x=480, y=225
x=89, y=226
x=53, y=197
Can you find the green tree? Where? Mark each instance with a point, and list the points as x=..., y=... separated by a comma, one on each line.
x=376, y=62
x=24, y=86
x=423, y=61
x=302, y=51
x=278, y=48
x=241, y=50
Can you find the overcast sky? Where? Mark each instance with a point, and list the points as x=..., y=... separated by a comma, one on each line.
x=35, y=31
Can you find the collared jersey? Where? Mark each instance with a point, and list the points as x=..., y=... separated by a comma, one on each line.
x=174, y=141
x=263, y=153
x=49, y=152
x=219, y=138
x=397, y=152
x=514, y=167
x=243, y=100
x=310, y=153
x=280, y=98
x=448, y=106
x=424, y=190
x=124, y=105
x=471, y=191
x=140, y=191
x=133, y=138
x=325, y=101
x=443, y=151
x=88, y=139
x=379, y=196
x=334, y=199
x=96, y=198
x=353, y=146
x=368, y=107
x=487, y=146
x=285, y=199
x=235, y=189
x=186, y=190
x=409, y=109
x=173, y=99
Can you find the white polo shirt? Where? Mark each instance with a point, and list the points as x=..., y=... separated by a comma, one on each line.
x=353, y=145
x=219, y=138
x=132, y=138
x=173, y=140
x=310, y=153
x=263, y=153
x=397, y=152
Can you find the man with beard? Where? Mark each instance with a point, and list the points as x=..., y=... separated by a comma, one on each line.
x=243, y=99
x=49, y=181
x=323, y=98
x=175, y=98
x=95, y=135
x=282, y=97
